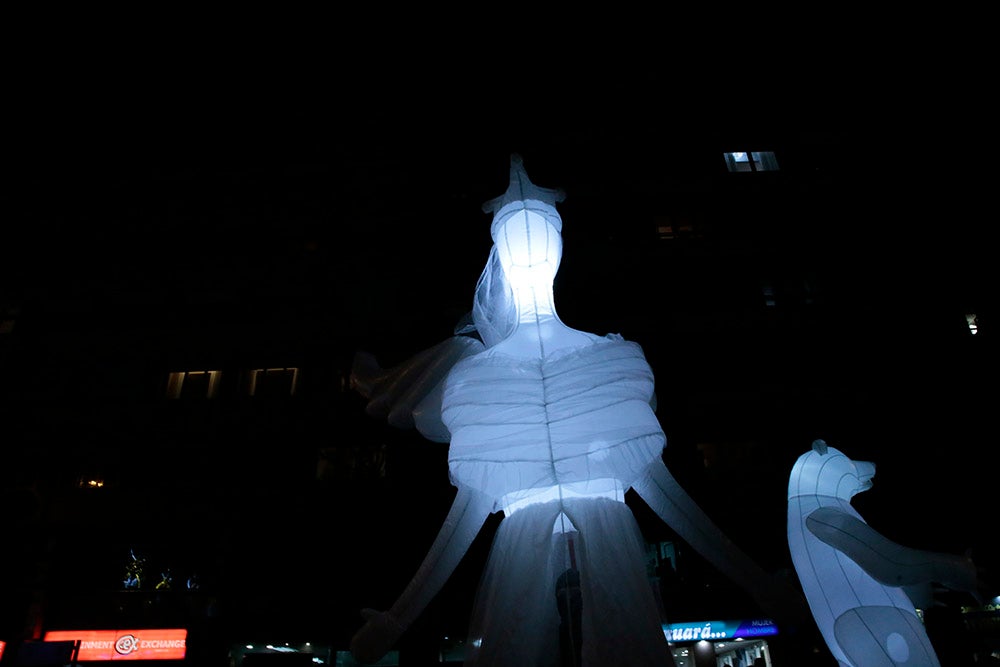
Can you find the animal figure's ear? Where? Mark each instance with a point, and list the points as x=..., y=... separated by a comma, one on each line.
x=819, y=446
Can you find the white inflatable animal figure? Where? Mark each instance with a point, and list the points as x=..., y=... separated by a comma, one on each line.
x=551, y=426
x=854, y=578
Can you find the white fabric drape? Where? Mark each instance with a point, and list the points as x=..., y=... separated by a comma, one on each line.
x=516, y=615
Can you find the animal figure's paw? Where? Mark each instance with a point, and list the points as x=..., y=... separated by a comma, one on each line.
x=380, y=633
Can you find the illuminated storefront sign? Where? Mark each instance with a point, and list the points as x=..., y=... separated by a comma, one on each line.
x=684, y=632
x=144, y=644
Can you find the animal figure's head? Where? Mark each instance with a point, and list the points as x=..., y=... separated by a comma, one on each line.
x=825, y=471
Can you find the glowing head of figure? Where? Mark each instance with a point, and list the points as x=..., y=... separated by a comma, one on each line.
x=529, y=248
x=826, y=471
x=527, y=230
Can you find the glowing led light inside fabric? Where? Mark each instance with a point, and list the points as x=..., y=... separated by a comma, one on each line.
x=856, y=581
x=549, y=425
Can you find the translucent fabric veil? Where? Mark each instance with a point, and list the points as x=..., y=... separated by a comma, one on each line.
x=521, y=615
x=493, y=311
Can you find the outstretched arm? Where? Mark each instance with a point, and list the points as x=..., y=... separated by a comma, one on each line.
x=888, y=562
x=381, y=630
x=671, y=502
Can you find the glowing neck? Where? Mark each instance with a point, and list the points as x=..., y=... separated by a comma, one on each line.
x=539, y=332
x=535, y=305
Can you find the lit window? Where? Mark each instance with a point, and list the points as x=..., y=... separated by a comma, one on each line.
x=90, y=482
x=193, y=384
x=752, y=161
x=973, y=321
x=272, y=381
x=674, y=227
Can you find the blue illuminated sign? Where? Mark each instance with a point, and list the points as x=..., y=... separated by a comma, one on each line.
x=711, y=630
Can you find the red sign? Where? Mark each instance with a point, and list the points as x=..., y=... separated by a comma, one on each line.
x=2, y=644
x=144, y=644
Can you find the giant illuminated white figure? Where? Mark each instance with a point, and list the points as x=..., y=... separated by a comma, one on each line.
x=857, y=582
x=551, y=426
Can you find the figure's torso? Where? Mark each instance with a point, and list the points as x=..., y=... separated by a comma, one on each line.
x=576, y=417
